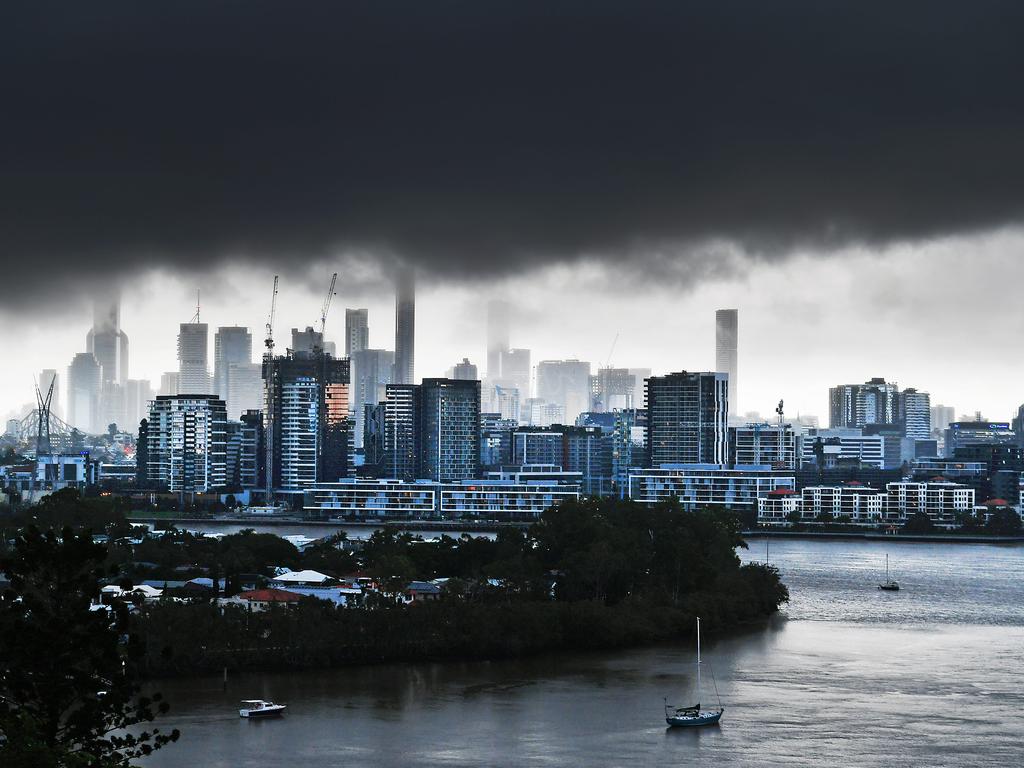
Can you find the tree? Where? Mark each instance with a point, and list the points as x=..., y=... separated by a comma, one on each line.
x=1004, y=522
x=919, y=522
x=69, y=692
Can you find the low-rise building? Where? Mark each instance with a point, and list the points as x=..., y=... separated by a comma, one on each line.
x=859, y=504
x=698, y=485
x=938, y=498
x=776, y=506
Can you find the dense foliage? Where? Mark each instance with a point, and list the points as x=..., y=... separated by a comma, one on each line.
x=68, y=674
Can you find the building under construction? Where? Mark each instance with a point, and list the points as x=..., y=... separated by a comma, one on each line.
x=307, y=431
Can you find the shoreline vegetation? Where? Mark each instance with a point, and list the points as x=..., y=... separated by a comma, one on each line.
x=589, y=575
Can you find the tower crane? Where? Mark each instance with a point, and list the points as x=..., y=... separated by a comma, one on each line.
x=269, y=340
x=327, y=304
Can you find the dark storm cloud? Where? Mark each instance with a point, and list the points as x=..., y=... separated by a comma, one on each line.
x=478, y=138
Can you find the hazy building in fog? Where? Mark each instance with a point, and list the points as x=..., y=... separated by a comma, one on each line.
x=371, y=370
x=138, y=393
x=106, y=341
x=232, y=345
x=727, y=351
x=464, y=371
x=308, y=340
x=357, y=331
x=612, y=389
x=405, y=327
x=193, y=359
x=497, y=337
x=687, y=418
x=565, y=383
x=245, y=388
x=170, y=383
x=640, y=375
x=515, y=371
x=84, y=384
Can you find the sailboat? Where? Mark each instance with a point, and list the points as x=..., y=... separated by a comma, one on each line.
x=889, y=585
x=694, y=716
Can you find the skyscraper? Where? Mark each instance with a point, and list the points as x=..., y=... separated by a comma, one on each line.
x=307, y=424
x=187, y=443
x=84, y=383
x=726, y=354
x=357, y=331
x=193, y=359
x=245, y=388
x=107, y=342
x=231, y=344
x=497, y=338
x=612, y=390
x=405, y=327
x=687, y=418
x=515, y=371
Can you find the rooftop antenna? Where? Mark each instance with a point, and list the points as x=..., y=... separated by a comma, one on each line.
x=327, y=304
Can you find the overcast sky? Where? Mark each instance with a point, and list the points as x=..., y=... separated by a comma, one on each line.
x=849, y=176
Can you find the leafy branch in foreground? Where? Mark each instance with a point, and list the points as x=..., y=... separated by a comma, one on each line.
x=69, y=693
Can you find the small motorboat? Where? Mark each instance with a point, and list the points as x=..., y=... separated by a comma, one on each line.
x=682, y=717
x=255, y=708
x=889, y=585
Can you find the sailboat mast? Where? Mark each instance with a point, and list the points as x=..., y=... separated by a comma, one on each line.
x=698, y=660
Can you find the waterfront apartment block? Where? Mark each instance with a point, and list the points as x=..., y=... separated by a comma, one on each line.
x=859, y=503
x=941, y=500
x=699, y=485
x=489, y=499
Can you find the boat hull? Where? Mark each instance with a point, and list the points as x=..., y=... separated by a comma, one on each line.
x=695, y=721
x=262, y=714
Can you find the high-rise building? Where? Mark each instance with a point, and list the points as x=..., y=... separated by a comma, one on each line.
x=193, y=359
x=187, y=443
x=307, y=427
x=565, y=383
x=915, y=414
x=232, y=345
x=432, y=430
x=250, y=457
x=137, y=395
x=942, y=417
x=497, y=337
x=47, y=377
x=761, y=443
x=170, y=383
x=85, y=380
x=515, y=371
x=857, y=405
x=726, y=351
x=687, y=418
x=245, y=388
x=107, y=342
x=464, y=371
x=357, y=331
x=405, y=327
x=371, y=371
x=448, y=427
x=612, y=390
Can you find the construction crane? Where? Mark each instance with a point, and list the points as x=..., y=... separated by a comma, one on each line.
x=269, y=341
x=608, y=362
x=327, y=304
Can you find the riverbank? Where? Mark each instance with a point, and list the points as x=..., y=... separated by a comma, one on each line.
x=929, y=538
x=440, y=526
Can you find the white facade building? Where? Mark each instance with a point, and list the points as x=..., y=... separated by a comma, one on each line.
x=696, y=485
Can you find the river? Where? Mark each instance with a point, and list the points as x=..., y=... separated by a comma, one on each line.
x=846, y=675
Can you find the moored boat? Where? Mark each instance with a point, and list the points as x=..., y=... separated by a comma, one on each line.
x=889, y=585
x=257, y=708
x=683, y=717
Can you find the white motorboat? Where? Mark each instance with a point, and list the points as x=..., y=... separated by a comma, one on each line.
x=258, y=708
